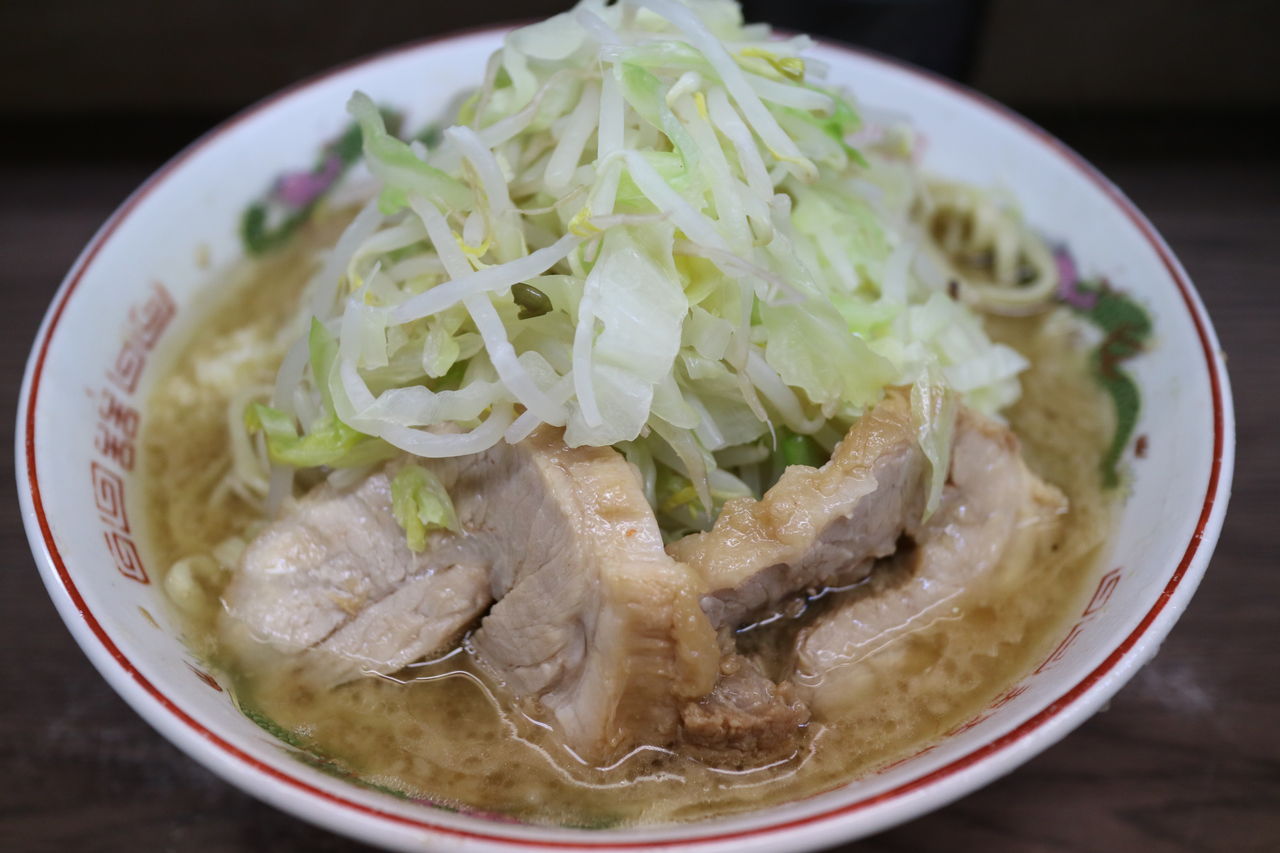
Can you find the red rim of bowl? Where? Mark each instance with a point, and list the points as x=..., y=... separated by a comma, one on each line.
x=1052, y=710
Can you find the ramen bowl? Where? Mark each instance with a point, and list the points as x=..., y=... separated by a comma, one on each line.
x=139, y=286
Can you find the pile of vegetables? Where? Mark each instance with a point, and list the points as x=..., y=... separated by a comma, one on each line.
x=649, y=226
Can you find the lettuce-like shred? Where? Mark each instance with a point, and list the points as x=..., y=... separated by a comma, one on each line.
x=329, y=442
x=421, y=503
x=933, y=411
x=650, y=226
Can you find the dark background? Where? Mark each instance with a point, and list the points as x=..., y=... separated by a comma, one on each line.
x=1176, y=101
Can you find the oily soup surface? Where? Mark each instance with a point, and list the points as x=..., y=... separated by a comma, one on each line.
x=441, y=736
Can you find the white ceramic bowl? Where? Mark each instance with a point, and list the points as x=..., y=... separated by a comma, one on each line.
x=138, y=280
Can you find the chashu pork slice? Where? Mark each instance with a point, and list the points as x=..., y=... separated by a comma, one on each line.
x=595, y=626
x=816, y=526
x=596, y=630
x=332, y=580
x=994, y=515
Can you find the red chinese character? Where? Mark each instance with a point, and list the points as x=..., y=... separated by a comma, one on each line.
x=115, y=413
x=145, y=325
x=127, y=368
x=149, y=320
x=114, y=447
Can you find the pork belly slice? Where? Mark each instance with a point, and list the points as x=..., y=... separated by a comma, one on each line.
x=595, y=625
x=597, y=631
x=994, y=515
x=334, y=581
x=815, y=527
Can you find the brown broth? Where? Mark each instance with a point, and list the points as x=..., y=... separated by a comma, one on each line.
x=443, y=737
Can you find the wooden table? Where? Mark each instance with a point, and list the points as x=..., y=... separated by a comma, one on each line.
x=1187, y=758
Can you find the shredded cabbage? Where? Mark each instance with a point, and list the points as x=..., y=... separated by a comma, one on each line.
x=649, y=226
x=933, y=411
x=421, y=503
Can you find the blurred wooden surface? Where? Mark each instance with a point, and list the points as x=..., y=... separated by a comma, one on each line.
x=215, y=56
x=1187, y=758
